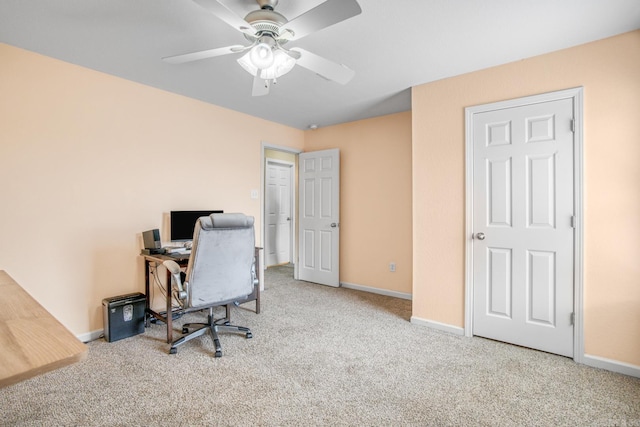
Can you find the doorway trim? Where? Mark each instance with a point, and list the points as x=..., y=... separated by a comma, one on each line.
x=294, y=202
x=576, y=95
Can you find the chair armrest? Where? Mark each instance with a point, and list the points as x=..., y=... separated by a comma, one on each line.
x=172, y=266
x=174, y=269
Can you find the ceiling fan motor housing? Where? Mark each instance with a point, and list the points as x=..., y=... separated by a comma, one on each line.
x=266, y=20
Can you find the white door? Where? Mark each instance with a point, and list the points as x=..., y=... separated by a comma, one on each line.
x=523, y=235
x=319, y=187
x=278, y=213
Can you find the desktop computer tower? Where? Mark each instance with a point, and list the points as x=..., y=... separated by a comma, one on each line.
x=123, y=316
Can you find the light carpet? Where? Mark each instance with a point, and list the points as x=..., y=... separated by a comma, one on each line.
x=322, y=356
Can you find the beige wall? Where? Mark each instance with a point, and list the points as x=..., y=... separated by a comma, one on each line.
x=375, y=199
x=609, y=71
x=89, y=161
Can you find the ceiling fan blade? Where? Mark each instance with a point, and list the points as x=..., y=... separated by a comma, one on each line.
x=260, y=86
x=324, y=15
x=227, y=15
x=328, y=69
x=203, y=54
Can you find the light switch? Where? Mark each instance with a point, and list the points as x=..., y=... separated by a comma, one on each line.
x=254, y=194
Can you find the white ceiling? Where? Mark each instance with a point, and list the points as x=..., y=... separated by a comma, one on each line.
x=392, y=46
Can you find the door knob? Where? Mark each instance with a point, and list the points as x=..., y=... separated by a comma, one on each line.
x=480, y=236
x=334, y=225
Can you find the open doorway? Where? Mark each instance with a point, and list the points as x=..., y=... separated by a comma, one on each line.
x=305, y=187
x=279, y=207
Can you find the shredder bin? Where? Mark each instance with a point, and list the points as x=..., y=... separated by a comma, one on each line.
x=123, y=316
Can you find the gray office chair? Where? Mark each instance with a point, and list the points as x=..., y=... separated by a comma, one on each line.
x=221, y=270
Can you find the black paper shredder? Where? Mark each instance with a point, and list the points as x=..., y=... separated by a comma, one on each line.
x=123, y=316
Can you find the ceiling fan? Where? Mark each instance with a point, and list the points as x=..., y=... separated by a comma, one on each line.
x=265, y=58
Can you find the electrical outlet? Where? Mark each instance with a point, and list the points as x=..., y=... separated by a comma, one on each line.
x=392, y=267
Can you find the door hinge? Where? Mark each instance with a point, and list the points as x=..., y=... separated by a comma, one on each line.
x=573, y=221
x=573, y=319
x=573, y=125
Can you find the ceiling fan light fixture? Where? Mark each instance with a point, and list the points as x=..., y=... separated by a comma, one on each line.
x=282, y=64
x=261, y=56
x=246, y=63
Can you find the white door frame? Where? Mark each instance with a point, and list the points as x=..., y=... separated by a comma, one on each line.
x=292, y=200
x=576, y=94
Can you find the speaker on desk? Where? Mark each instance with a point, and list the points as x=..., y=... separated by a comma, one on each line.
x=152, y=243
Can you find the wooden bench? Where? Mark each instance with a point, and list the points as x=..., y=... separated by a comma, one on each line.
x=32, y=341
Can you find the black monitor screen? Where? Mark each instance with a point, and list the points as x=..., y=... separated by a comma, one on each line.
x=184, y=222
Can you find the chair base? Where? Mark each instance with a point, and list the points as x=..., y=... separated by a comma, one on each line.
x=221, y=325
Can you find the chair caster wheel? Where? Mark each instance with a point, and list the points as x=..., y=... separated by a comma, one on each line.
x=248, y=335
x=173, y=350
x=185, y=330
x=218, y=353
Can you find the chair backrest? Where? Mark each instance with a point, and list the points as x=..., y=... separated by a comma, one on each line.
x=220, y=268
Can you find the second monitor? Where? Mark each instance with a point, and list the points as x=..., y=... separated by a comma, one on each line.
x=182, y=223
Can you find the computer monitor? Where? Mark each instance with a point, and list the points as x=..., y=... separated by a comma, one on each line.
x=182, y=223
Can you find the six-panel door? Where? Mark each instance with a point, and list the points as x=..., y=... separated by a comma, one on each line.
x=319, y=186
x=523, y=206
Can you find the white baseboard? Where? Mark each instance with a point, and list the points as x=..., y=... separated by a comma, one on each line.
x=456, y=330
x=612, y=365
x=90, y=336
x=378, y=291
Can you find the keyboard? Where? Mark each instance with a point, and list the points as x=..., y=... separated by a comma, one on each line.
x=180, y=255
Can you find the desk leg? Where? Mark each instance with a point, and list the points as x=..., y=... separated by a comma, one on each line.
x=169, y=310
x=147, y=297
x=167, y=317
x=258, y=300
x=259, y=272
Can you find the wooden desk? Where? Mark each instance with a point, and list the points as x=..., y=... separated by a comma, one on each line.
x=32, y=341
x=166, y=317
